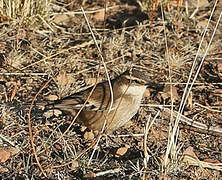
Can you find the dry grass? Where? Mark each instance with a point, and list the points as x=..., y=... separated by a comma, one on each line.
x=50, y=42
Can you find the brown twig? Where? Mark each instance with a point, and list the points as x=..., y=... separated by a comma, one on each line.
x=30, y=127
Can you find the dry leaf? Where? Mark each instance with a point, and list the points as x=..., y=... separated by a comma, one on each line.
x=217, y=91
x=202, y=24
x=189, y=151
x=4, y=18
x=190, y=157
x=121, y=151
x=209, y=115
x=99, y=16
x=163, y=176
x=13, y=92
x=198, y=4
x=62, y=79
x=4, y=155
x=13, y=150
x=64, y=20
x=7, y=152
x=50, y=113
x=147, y=93
x=167, y=93
x=51, y=97
x=83, y=128
x=219, y=67
x=3, y=170
x=159, y=134
x=74, y=165
x=190, y=100
x=203, y=3
x=58, y=146
x=61, y=18
x=88, y=135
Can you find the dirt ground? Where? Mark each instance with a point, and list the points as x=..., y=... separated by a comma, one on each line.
x=47, y=52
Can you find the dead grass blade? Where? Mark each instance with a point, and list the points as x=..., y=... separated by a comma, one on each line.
x=174, y=134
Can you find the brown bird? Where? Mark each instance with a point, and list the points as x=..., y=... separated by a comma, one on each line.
x=128, y=89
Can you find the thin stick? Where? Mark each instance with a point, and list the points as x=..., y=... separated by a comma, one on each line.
x=30, y=127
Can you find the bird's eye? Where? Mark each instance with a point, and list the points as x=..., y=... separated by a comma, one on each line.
x=136, y=81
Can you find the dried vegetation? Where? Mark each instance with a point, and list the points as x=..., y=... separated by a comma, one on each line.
x=47, y=51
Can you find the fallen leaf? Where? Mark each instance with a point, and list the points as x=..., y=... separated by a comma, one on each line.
x=88, y=135
x=159, y=134
x=198, y=4
x=190, y=100
x=4, y=18
x=189, y=151
x=53, y=112
x=121, y=151
x=3, y=169
x=147, y=93
x=217, y=91
x=203, y=3
x=83, y=128
x=64, y=20
x=61, y=18
x=13, y=150
x=62, y=79
x=99, y=16
x=51, y=97
x=219, y=67
x=163, y=176
x=190, y=157
x=7, y=152
x=4, y=155
x=209, y=115
x=58, y=146
x=74, y=165
x=202, y=24
x=167, y=93
x=13, y=92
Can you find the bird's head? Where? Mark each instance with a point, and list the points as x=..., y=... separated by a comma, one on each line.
x=136, y=77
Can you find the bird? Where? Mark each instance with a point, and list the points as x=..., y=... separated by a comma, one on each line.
x=101, y=111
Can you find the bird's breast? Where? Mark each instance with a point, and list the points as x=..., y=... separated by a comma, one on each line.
x=127, y=106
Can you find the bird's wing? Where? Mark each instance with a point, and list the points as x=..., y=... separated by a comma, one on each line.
x=76, y=103
x=98, y=101
x=71, y=102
